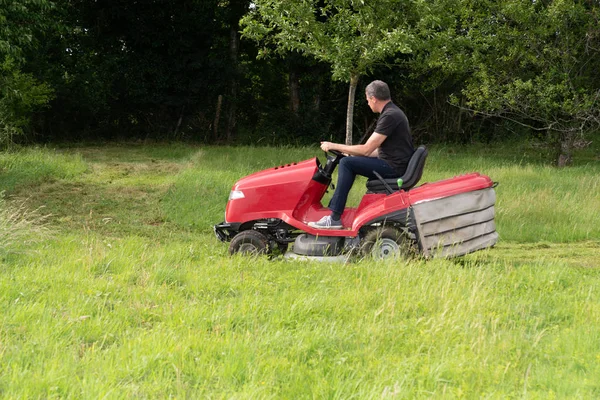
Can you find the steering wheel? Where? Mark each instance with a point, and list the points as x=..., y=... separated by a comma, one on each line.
x=333, y=158
x=338, y=155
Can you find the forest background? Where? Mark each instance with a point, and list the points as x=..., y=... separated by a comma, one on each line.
x=280, y=72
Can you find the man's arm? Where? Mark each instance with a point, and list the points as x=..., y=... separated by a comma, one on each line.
x=369, y=149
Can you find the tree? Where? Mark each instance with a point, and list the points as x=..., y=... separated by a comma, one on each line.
x=20, y=95
x=137, y=68
x=534, y=63
x=233, y=11
x=351, y=36
x=21, y=24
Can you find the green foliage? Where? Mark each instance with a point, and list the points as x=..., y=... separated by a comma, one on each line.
x=20, y=95
x=463, y=70
x=351, y=37
x=134, y=69
x=20, y=23
x=531, y=62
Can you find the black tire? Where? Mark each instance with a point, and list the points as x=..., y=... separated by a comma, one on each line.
x=249, y=243
x=386, y=242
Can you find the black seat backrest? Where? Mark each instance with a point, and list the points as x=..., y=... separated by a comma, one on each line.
x=412, y=176
x=415, y=168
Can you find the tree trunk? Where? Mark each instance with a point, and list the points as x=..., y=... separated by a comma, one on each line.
x=565, y=146
x=350, y=110
x=217, y=117
x=233, y=83
x=179, y=121
x=294, y=86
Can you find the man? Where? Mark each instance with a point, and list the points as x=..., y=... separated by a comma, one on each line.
x=387, y=151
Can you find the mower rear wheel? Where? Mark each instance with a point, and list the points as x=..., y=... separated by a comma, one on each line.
x=249, y=243
x=386, y=242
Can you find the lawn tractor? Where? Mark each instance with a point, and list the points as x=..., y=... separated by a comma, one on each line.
x=268, y=213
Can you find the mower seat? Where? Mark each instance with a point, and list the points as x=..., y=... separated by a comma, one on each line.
x=411, y=177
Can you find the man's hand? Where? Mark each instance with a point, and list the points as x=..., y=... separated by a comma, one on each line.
x=326, y=146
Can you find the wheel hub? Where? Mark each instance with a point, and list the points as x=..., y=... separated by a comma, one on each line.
x=385, y=248
x=247, y=248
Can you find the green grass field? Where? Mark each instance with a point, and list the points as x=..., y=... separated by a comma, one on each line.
x=117, y=287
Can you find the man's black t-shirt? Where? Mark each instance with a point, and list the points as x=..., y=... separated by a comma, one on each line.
x=398, y=147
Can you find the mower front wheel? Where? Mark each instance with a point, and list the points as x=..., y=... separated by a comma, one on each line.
x=249, y=243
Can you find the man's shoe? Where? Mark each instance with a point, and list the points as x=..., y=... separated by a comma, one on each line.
x=326, y=223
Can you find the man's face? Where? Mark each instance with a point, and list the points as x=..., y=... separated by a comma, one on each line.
x=370, y=102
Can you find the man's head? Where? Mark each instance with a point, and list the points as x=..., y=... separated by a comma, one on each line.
x=378, y=95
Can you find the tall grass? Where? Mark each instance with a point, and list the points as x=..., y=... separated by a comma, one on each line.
x=128, y=317
x=19, y=226
x=133, y=297
x=29, y=166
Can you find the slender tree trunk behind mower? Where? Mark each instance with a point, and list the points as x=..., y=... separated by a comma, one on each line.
x=233, y=83
x=565, y=147
x=294, y=86
x=350, y=110
x=217, y=118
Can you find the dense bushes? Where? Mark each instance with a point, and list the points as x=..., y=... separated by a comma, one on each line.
x=176, y=69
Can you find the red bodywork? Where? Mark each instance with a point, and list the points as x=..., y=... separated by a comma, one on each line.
x=289, y=193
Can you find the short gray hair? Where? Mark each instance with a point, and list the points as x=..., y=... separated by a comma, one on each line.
x=379, y=90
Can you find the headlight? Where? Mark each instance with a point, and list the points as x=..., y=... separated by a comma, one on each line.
x=236, y=194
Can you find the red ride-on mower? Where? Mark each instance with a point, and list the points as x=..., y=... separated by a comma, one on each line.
x=271, y=209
